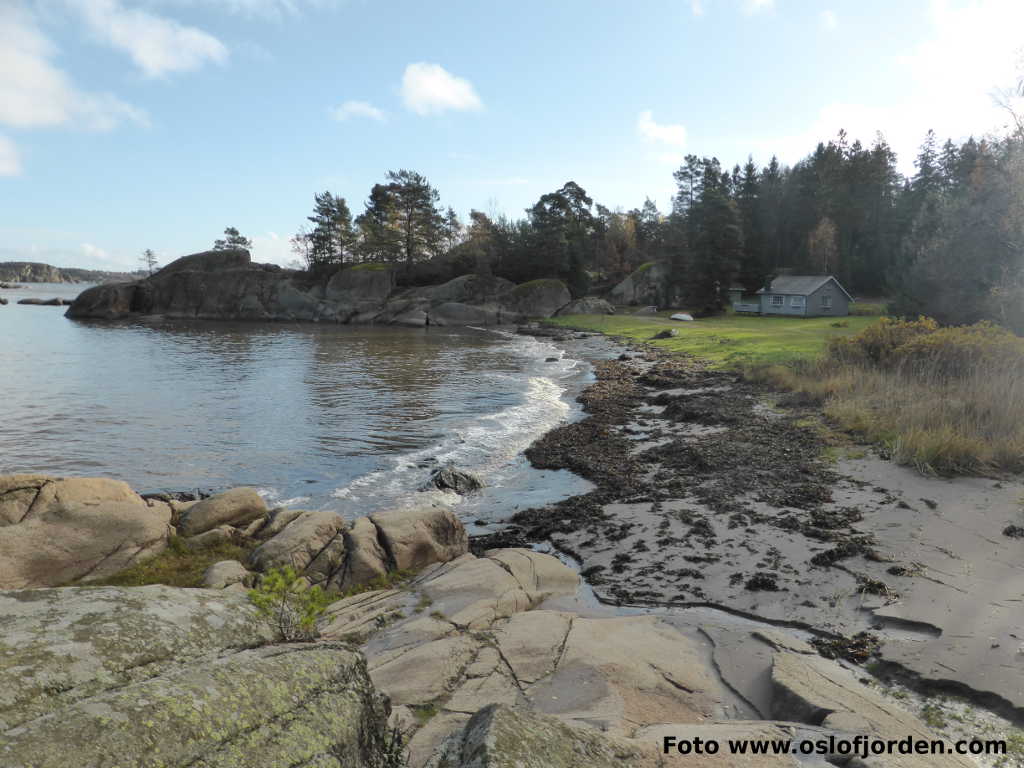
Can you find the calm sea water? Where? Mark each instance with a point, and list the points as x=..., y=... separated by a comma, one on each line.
x=340, y=417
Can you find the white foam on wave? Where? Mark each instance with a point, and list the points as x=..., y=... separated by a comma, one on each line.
x=485, y=444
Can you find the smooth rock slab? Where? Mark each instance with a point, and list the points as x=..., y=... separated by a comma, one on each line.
x=813, y=690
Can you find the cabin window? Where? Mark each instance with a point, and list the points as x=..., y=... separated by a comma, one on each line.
x=796, y=302
x=826, y=302
x=778, y=301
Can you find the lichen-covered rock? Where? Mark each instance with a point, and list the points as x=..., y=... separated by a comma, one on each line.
x=58, y=530
x=237, y=507
x=499, y=736
x=159, y=677
x=59, y=646
x=416, y=537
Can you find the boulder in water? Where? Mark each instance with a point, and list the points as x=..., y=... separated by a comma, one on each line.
x=451, y=479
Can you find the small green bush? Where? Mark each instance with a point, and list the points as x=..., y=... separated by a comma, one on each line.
x=290, y=607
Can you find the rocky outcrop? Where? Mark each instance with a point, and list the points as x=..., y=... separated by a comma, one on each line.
x=588, y=305
x=156, y=676
x=323, y=548
x=58, y=530
x=44, y=302
x=227, y=285
x=644, y=286
x=537, y=298
x=30, y=272
x=35, y=272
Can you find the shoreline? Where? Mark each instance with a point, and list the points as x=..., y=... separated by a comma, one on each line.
x=714, y=493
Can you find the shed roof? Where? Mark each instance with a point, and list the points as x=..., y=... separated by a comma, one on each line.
x=801, y=285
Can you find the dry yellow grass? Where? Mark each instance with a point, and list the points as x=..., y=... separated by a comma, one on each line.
x=947, y=401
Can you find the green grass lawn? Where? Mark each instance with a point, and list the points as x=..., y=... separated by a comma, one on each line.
x=730, y=340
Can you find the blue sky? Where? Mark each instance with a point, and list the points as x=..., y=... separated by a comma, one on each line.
x=132, y=124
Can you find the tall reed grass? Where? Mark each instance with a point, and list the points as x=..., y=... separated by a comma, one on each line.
x=945, y=400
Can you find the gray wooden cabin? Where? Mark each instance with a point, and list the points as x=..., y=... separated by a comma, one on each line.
x=799, y=295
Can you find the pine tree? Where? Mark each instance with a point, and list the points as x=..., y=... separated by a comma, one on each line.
x=233, y=240
x=332, y=237
x=148, y=259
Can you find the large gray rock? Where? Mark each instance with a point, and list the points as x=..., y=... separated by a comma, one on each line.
x=416, y=537
x=451, y=479
x=107, y=302
x=58, y=530
x=237, y=507
x=643, y=286
x=313, y=544
x=209, y=261
x=225, y=573
x=588, y=305
x=159, y=677
x=365, y=558
x=456, y=313
x=537, y=298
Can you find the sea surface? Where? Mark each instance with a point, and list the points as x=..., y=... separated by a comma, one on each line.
x=315, y=416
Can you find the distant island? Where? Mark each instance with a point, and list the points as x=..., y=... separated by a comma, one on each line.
x=37, y=272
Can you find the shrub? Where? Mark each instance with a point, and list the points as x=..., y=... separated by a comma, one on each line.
x=877, y=343
x=291, y=607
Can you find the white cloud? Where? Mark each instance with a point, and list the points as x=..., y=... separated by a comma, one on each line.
x=948, y=80
x=95, y=254
x=697, y=7
x=272, y=248
x=159, y=46
x=431, y=89
x=10, y=160
x=357, y=109
x=34, y=92
x=270, y=9
x=829, y=20
x=754, y=6
x=673, y=135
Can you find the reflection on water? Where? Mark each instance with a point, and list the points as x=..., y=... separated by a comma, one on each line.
x=326, y=416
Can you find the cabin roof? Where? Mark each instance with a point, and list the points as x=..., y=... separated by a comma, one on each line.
x=801, y=285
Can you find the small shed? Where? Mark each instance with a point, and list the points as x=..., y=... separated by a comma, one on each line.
x=805, y=296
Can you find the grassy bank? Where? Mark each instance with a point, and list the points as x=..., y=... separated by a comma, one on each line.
x=944, y=400
x=739, y=341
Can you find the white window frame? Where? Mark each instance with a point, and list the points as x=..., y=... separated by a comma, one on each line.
x=826, y=302
x=797, y=302
x=777, y=301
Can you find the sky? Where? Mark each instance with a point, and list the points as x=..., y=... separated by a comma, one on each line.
x=134, y=124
